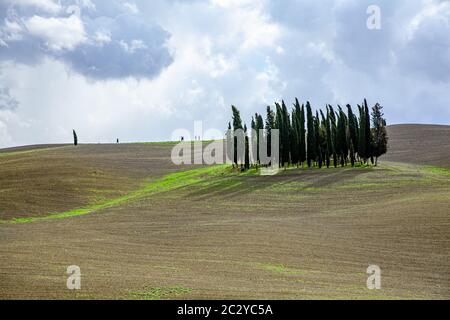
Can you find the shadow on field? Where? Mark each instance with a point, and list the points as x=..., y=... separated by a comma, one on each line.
x=307, y=179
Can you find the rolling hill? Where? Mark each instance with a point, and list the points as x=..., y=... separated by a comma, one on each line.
x=419, y=144
x=140, y=227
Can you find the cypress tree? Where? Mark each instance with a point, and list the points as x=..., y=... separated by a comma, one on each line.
x=353, y=137
x=280, y=126
x=302, y=142
x=255, y=138
x=295, y=148
x=298, y=123
x=247, y=150
x=287, y=129
x=362, y=152
x=237, y=121
x=230, y=152
x=356, y=144
x=318, y=138
x=75, y=138
x=270, y=124
x=368, y=132
x=333, y=125
x=342, y=137
x=311, y=137
x=379, y=133
x=328, y=144
x=259, y=123
x=237, y=124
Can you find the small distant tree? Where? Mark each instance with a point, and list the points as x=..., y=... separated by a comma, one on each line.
x=379, y=133
x=75, y=138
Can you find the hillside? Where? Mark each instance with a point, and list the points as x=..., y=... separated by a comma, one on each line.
x=141, y=228
x=419, y=144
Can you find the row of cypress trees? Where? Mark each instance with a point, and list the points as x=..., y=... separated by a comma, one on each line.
x=326, y=138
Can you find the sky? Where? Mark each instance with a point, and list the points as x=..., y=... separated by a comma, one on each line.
x=139, y=70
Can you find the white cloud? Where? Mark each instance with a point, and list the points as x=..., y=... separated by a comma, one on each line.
x=440, y=10
x=168, y=63
x=131, y=6
x=102, y=37
x=51, y=6
x=58, y=33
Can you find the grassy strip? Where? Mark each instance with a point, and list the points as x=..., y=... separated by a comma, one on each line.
x=279, y=268
x=436, y=170
x=169, y=182
x=159, y=293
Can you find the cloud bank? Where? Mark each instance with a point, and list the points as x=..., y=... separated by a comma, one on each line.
x=138, y=70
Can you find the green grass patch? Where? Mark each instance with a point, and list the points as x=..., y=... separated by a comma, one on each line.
x=437, y=171
x=159, y=293
x=279, y=268
x=169, y=182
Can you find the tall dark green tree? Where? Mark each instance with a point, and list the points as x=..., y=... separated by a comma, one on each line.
x=247, y=150
x=311, y=136
x=259, y=125
x=353, y=134
x=237, y=125
x=75, y=138
x=342, y=137
x=287, y=131
x=302, y=136
x=230, y=151
x=295, y=148
x=237, y=121
x=319, y=140
x=334, y=141
x=270, y=124
x=362, y=152
x=328, y=144
x=379, y=133
x=368, y=132
x=279, y=125
x=255, y=137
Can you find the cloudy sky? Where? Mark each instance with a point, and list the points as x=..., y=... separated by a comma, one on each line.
x=138, y=70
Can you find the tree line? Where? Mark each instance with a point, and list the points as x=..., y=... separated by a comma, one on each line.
x=329, y=137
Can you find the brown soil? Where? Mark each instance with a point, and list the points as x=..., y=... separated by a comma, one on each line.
x=419, y=144
x=302, y=234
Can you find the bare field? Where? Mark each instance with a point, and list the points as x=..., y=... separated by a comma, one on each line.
x=420, y=144
x=212, y=233
x=49, y=179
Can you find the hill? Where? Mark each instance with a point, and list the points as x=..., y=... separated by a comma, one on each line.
x=141, y=228
x=419, y=144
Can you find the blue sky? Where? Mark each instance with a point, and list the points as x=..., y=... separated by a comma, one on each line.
x=138, y=70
